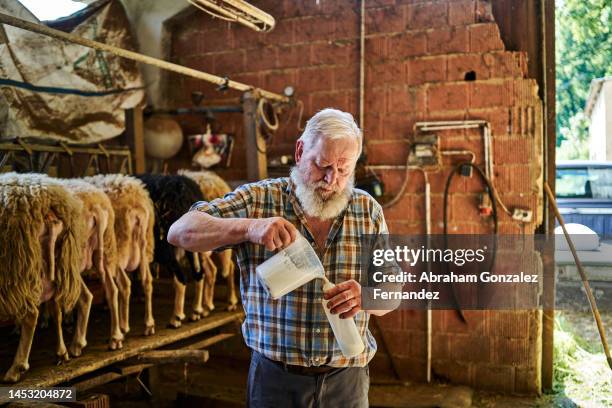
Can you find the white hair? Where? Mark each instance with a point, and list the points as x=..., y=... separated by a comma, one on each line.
x=332, y=124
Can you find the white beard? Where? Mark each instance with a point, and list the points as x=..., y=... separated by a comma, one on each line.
x=313, y=203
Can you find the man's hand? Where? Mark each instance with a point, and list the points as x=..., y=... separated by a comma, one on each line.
x=273, y=233
x=344, y=298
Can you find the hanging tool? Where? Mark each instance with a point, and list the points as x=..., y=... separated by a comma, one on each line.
x=585, y=281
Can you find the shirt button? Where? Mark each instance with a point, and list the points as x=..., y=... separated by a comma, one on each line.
x=318, y=330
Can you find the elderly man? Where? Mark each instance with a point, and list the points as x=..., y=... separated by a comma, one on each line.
x=295, y=359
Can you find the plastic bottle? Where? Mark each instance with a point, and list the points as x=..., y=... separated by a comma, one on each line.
x=345, y=330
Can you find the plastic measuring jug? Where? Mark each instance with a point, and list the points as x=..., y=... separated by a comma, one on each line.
x=290, y=268
x=345, y=330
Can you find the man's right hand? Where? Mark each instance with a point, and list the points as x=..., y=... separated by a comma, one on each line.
x=274, y=233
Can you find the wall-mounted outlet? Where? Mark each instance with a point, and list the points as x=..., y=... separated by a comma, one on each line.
x=522, y=215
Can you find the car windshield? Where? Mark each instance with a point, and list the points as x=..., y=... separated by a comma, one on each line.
x=584, y=182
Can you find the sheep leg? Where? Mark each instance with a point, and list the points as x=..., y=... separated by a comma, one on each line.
x=20, y=363
x=198, y=310
x=210, y=275
x=147, y=281
x=79, y=341
x=179, y=304
x=125, y=287
x=228, y=269
x=61, y=352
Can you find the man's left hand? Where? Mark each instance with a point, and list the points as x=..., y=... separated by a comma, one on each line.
x=344, y=298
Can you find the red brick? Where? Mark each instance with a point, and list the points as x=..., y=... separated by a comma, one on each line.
x=511, y=324
x=202, y=63
x=525, y=92
x=404, y=228
x=440, y=344
x=373, y=126
x=470, y=349
x=346, y=77
x=379, y=3
x=213, y=41
x=527, y=381
x=448, y=40
x=230, y=62
x=376, y=48
x=261, y=59
x=494, y=377
x=399, y=125
x=282, y=33
x=376, y=101
x=447, y=97
x=293, y=56
x=336, y=53
x=408, y=44
x=311, y=29
x=426, y=69
x=276, y=81
x=292, y=8
x=462, y=12
x=393, y=72
x=506, y=64
x=427, y=15
x=254, y=79
x=452, y=371
x=516, y=352
x=498, y=118
x=242, y=37
x=347, y=24
x=460, y=65
x=513, y=150
x=406, y=100
x=387, y=152
x=384, y=20
x=322, y=100
x=317, y=79
x=491, y=94
x=485, y=37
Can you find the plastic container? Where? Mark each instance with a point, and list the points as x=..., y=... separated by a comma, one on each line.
x=290, y=268
x=345, y=330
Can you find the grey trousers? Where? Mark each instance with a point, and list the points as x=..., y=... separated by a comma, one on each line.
x=269, y=385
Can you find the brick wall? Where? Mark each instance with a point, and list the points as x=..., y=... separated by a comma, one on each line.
x=417, y=57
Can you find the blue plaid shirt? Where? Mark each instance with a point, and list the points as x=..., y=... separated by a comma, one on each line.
x=294, y=328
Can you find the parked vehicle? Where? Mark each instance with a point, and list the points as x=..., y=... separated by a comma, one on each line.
x=584, y=194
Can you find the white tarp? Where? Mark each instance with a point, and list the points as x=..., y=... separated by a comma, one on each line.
x=44, y=61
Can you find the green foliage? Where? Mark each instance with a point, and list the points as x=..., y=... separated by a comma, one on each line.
x=583, y=53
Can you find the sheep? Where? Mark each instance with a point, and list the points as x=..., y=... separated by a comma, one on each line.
x=99, y=252
x=134, y=220
x=213, y=186
x=173, y=195
x=41, y=253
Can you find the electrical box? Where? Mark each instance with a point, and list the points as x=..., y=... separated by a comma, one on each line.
x=424, y=151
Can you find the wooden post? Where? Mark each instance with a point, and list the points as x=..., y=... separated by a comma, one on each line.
x=255, y=145
x=134, y=133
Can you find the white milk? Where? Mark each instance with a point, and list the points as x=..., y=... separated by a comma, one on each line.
x=345, y=330
x=290, y=268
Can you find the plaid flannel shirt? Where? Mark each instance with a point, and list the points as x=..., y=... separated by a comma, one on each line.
x=294, y=328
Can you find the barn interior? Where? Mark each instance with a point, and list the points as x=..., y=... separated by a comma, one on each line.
x=219, y=91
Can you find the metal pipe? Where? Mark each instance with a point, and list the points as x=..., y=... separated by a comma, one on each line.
x=362, y=68
x=198, y=110
x=135, y=56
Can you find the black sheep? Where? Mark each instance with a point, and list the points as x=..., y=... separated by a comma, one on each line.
x=172, y=196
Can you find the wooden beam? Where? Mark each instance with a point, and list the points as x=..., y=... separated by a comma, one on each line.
x=257, y=164
x=173, y=356
x=135, y=56
x=134, y=132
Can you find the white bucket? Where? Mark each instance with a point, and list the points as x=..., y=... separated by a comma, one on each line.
x=290, y=268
